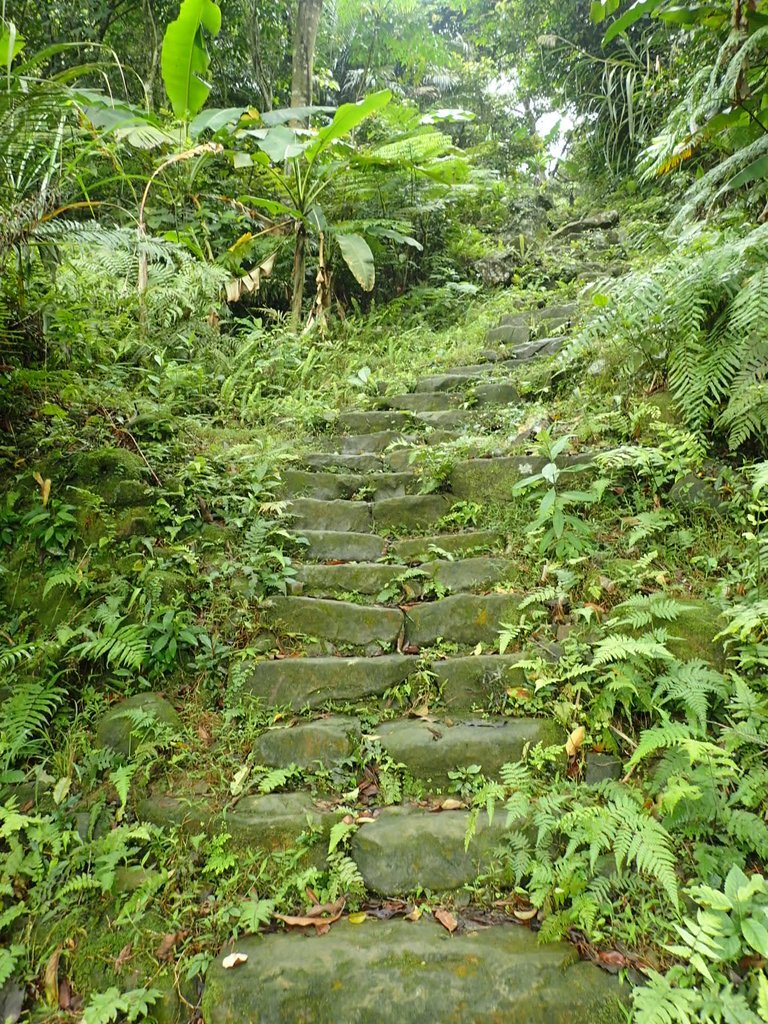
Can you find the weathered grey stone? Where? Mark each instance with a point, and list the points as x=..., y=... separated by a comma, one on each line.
x=508, y=334
x=325, y=740
x=425, y=402
x=477, y=680
x=341, y=516
x=539, y=349
x=373, y=422
x=415, y=549
x=326, y=545
x=360, y=444
x=463, y=619
x=492, y=479
x=392, y=485
x=400, y=460
x=412, y=512
x=193, y=813
x=693, y=633
x=471, y=573
x=311, y=682
x=275, y=821
x=496, y=394
x=431, y=749
x=694, y=491
x=599, y=767
x=400, y=972
x=449, y=381
x=336, y=460
x=324, y=486
x=408, y=848
x=117, y=728
x=340, y=622
x=452, y=419
x=356, y=578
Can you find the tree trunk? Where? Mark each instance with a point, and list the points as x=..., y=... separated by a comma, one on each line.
x=299, y=268
x=305, y=36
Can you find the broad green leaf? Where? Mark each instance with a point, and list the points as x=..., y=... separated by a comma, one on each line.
x=185, y=59
x=757, y=169
x=215, y=119
x=756, y=935
x=359, y=258
x=347, y=117
x=281, y=143
x=629, y=17
x=273, y=206
x=11, y=43
x=285, y=114
x=762, y=996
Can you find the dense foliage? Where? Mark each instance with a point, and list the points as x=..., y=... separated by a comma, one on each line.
x=195, y=276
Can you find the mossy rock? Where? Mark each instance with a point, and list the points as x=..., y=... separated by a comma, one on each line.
x=114, y=474
x=694, y=632
x=117, y=730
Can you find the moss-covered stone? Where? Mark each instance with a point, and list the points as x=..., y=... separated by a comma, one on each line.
x=343, y=516
x=492, y=479
x=360, y=463
x=119, y=730
x=115, y=474
x=496, y=394
x=135, y=522
x=368, y=578
x=372, y=422
x=424, y=402
x=339, y=622
x=477, y=680
x=326, y=741
x=370, y=444
x=275, y=821
x=420, y=549
x=325, y=486
x=329, y=545
x=431, y=749
x=408, y=848
x=391, y=972
x=312, y=682
x=447, y=419
x=464, y=619
x=694, y=632
x=412, y=512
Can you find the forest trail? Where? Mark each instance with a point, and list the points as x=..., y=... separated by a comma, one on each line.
x=386, y=575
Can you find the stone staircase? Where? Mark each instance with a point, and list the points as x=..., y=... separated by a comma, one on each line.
x=389, y=600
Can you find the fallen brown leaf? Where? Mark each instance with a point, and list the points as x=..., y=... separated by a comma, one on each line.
x=451, y=804
x=123, y=957
x=413, y=915
x=574, y=742
x=167, y=943
x=65, y=995
x=51, y=978
x=447, y=920
x=233, y=960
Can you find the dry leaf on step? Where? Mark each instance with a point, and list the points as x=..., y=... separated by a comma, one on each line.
x=575, y=740
x=452, y=804
x=447, y=920
x=233, y=960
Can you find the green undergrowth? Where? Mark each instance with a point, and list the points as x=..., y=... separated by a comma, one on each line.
x=143, y=530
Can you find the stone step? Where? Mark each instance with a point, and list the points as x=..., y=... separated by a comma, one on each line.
x=370, y=444
x=271, y=822
x=368, y=578
x=403, y=972
x=478, y=680
x=449, y=381
x=374, y=422
x=437, y=401
x=539, y=349
x=493, y=479
x=372, y=578
x=306, y=744
x=330, y=486
x=447, y=419
x=407, y=849
x=419, y=549
x=312, y=682
x=337, y=460
x=508, y=334
x=495, y=394
x=412, y=512
x=465, y=619
x=332, y=545
x=340, y=624
x=430, y=748
x=338, y=515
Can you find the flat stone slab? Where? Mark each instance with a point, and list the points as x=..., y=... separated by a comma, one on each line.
x=475, y=680
x=337, y=460
x=325, y=486
x=425, y=402
x=496, y=394
x=492, y=479
x=449, y=419
x=408, y=848
x=118, y=729
x=311, y=682
x=471, y=573
x=323, y=741
x=327, y=545
x=342, y=623
x=430, y=749
x=372, y=422
x=463, y=619
x=401, y=972
x=412, y=512
x=368, y=578
x=342, y=516
x=446, y=382
x=374, y=443
x=417, y=549
x=392, y=485
x=508, y=334
x=540, y=348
